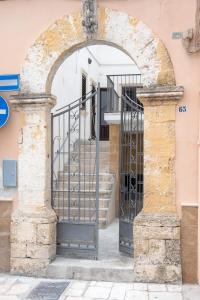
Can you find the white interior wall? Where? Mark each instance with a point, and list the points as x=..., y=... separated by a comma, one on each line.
x=66, y=85
x=106, y=60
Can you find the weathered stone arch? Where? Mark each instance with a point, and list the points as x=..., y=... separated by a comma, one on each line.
x=115, y=28
x=156, y=228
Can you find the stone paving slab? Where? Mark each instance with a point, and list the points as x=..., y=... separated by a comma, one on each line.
x=48, y=290
x=165, y=296
x=191, y=292
x=20, y=288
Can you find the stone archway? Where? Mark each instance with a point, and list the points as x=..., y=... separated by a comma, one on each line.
x=117, y=28
x=156, y=230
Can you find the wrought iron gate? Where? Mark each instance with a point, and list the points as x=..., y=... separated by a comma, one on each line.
x=75, y=177
x=131, y=185
x=122, y=92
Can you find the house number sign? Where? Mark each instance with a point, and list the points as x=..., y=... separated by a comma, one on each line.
x=182, y=109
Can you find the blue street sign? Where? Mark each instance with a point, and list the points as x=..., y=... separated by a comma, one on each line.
x=4, y=111
x=9, y=82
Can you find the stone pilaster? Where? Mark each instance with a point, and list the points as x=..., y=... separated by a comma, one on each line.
x=33, y=223
x=157, y=227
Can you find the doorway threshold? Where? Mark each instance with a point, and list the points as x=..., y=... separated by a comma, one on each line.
x=111, y=265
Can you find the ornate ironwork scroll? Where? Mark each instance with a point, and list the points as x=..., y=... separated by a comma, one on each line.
x=90, y=21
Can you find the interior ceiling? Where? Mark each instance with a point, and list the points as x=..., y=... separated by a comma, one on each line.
x=107, y=55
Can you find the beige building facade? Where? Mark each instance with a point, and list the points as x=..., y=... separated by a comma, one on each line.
x=38, y=36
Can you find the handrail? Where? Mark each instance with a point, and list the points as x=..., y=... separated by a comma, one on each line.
x=72, y=107
x=137, y=78
x=132, y=104
x=60, y=113
x=136, y=75
x=133, y=101
x=73, y=101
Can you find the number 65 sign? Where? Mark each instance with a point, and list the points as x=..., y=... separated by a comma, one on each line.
x=182, y=109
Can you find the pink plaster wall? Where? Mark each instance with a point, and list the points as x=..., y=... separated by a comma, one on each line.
x=165, y=17
x=22, y=21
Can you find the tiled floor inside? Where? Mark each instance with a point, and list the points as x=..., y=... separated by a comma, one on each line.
x=18, y=288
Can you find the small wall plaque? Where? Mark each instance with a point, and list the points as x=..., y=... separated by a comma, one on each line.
x=182, y=109
x=9, y=173
x=177, y=35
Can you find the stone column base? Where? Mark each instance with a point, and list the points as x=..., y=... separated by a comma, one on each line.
x=33, y=242
x=157, y=254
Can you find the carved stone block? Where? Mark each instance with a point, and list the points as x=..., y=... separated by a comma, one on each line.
x=157, y=254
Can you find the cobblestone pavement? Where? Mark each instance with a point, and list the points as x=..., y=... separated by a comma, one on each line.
x=17, y=287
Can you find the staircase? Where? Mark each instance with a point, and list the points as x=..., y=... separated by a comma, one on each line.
x=82, y=177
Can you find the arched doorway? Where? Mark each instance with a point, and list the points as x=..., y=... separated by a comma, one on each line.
x=42, y=61
x=86, y=199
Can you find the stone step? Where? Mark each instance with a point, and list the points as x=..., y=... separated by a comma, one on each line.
x=87, y=162
x=110, y=266
x=87, y=193
x=92, y=142
x=74, y=212
x=88, y=202
x=74, y=168
x=89, y=168
x=94, y=270
x=74, y=177
x=87, y=154
x=83, y=160
x=89, y=159
x=103, y=146
x=90, y=186
x=102, y=221
x=88, y=148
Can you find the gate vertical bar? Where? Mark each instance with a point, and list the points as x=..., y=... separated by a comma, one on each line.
x=97, y=167
x=59, y=159
x=52, y=155
x=121, y=164
x=63, y=163
x=69, y=162
x=136, y=158
x=79, y=161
